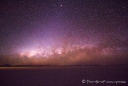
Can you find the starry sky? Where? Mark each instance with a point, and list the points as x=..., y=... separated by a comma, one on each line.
x=63, y=32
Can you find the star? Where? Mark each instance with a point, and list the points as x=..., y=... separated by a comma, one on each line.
x=69, y=31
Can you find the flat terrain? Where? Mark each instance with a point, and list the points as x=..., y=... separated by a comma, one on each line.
x=63, y=76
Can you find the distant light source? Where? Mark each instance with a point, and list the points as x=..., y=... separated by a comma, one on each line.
x=32, y=53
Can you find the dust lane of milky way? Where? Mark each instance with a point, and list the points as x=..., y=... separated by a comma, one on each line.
x=63, y=32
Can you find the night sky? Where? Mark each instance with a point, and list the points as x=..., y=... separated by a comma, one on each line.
x=63, y=32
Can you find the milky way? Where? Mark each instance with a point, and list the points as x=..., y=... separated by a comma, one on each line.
x=64, y=32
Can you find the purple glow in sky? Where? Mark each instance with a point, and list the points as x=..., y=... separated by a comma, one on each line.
x=64, y=32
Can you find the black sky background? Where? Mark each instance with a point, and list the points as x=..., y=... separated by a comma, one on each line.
x=69, y=30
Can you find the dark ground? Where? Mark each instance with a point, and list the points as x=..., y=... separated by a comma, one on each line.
x=62, y=76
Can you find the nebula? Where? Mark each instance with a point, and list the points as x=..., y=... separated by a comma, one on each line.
x=63, y=32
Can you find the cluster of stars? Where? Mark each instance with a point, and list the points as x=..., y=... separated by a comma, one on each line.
x=38, y=28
